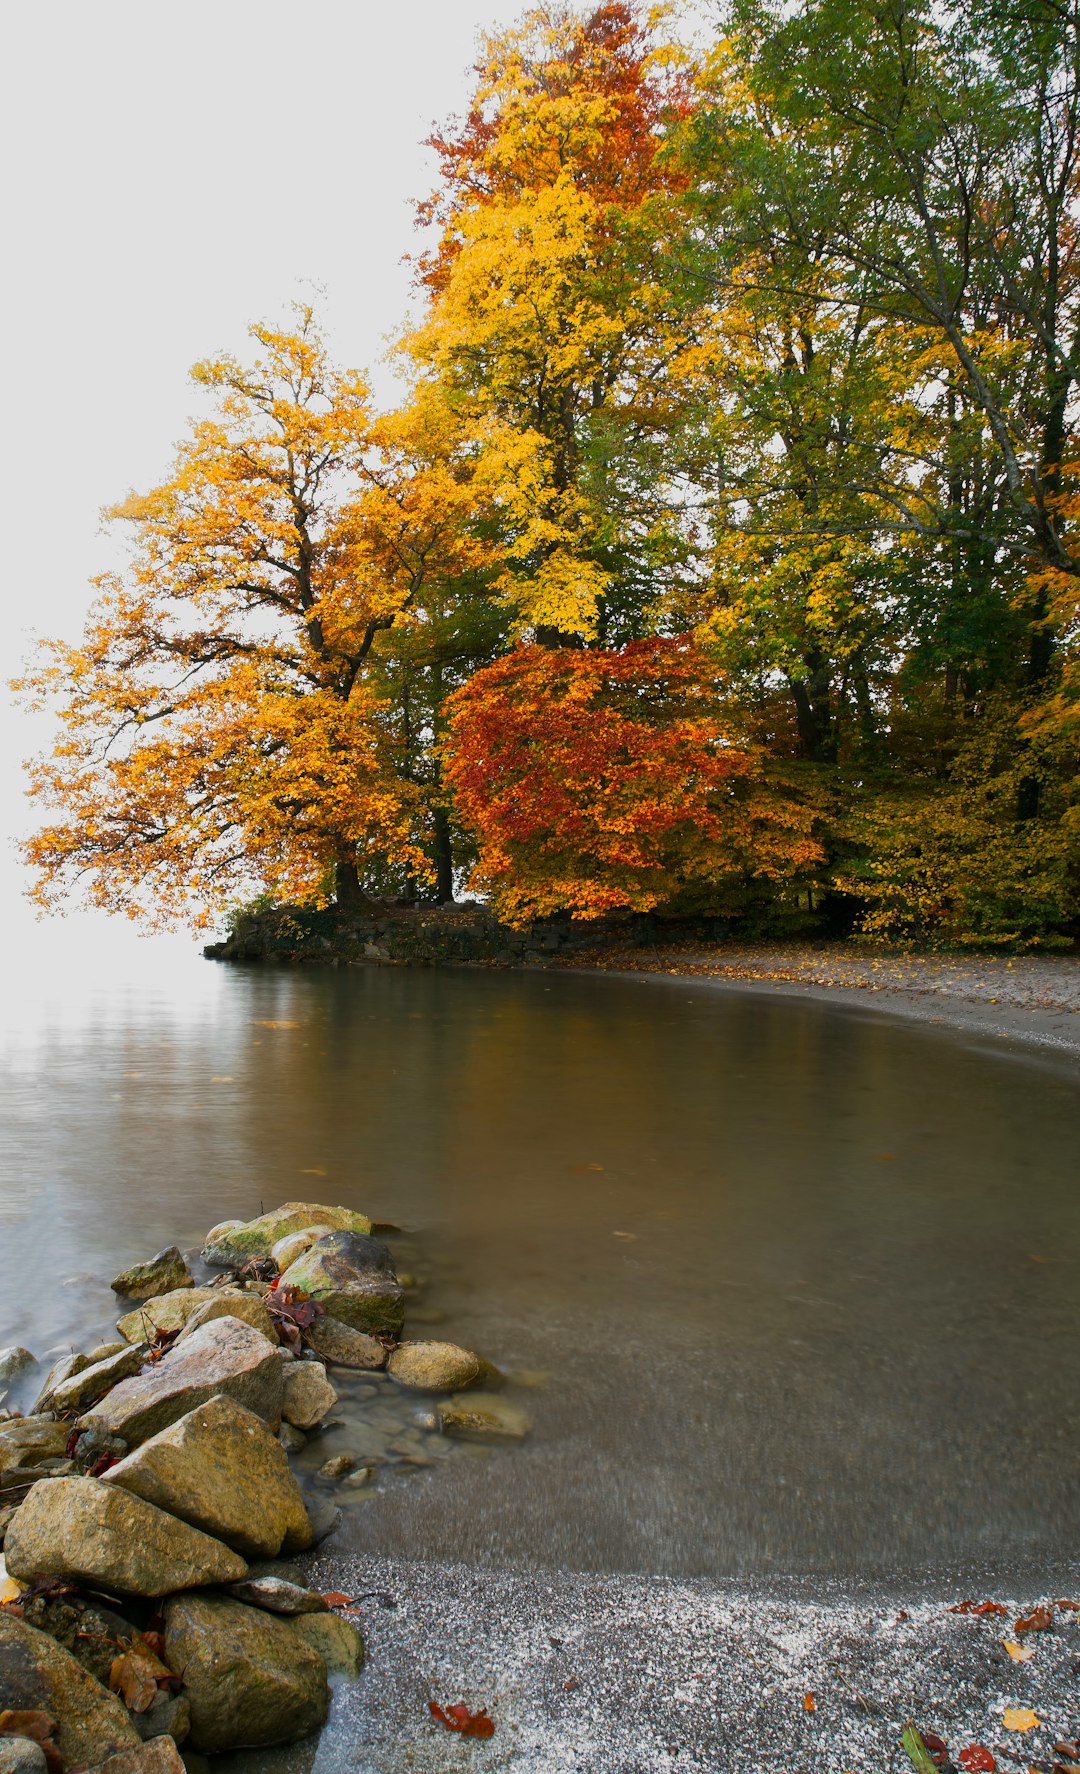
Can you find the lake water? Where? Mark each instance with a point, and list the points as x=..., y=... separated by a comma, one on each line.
x=802, y=1279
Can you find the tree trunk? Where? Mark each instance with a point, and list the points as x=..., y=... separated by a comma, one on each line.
x=444, y=858
x=347, y=892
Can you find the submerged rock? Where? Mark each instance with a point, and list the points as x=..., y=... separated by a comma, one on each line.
x=91, y=1383
x=231, y=1244
x=246, y=1306
x=15, y=1361
x=37, y=1675
x=437, y=1367
x=100, y=1534
x=482, y=1416
x=226, y=1357
x=168, y=1313
x=163, y=1273
x=221, y=1470
x=342, y=1346
x=338, y=1642
x=250, y=1678
x=353, y=1279
x=278, y=1596
x=308, y=1396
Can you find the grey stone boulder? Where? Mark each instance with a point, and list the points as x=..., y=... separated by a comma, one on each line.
x=308, y=1395
x=338, y=1642
x=61, y=1370
x=342, y=1346
x=438, y=1367
x=250, y=1679
x=220, y=1469
x=20, y=1755
x=91, y=1383
x=38, y=1675
x=231, y=1246
x=161, y=1275
x=226, y=1357
x=248, y=1307
x=167, y=1314
x=15, y=1361
x=26, y=1441
x=278, y=1596
x=102, y=1535
x=352, y=1277
x=481, y=1416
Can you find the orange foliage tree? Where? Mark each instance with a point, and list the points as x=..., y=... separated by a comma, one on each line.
x=601, y=781
x=220, y=729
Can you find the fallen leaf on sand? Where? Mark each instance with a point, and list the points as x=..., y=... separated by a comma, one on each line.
x=976, y=1759
x=1039, y=1620
x=1018, y=1653
x=978, y=1608
x=459, y=1718
x=809, y=1703
x=1019, y=1718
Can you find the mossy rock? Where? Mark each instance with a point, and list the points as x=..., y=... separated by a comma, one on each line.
x=256, y=1239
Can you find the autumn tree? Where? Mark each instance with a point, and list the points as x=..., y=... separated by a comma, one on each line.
x=601, y=781
x=220, y=731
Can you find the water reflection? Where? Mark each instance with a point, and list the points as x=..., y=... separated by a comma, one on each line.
x=803, y=1278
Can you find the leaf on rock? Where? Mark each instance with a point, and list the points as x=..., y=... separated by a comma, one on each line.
x=1019, y=1718
x=1039, y=1620
x=133, y=1679
x=1018, y=1653
x=976, y=1759
x=459, y=1718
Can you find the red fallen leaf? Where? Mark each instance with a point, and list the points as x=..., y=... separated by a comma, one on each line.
x=1039, y=1620
x=1072, y=1607
x=809, y=1703
x=101, y=1464
x=334, y=1599
x=69, y=1445
x=155, y=1641
x=978, y=1608
x=976, y=1759
x=459, y=1718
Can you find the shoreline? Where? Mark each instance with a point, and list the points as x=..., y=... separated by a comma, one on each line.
x=939, y=1001
x=590, y=1673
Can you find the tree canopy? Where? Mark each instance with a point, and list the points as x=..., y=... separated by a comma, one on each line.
x=722, y=553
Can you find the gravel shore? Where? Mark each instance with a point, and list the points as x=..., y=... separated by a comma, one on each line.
x=1033, y=999
x=630, y=1675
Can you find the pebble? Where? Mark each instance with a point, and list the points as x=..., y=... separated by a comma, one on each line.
x=337, y=1467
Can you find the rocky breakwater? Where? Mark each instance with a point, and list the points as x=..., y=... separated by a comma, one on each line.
x=147, y=1497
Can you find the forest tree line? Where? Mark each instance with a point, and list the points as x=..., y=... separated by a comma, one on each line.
x=721, y=555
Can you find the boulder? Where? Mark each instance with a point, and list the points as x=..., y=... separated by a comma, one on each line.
x=287, y=1249
x=163, y=1273
x=342, y=1346
x=26, y=1441
x=102, y=1535
x=226, y=1357
x=37, y=1675
x=21, y=1755
x=437, y=1367
x=59, y=1372
x=308, y=1395
x=338, y=1642
x=168, y=1715
x=167, y=1314
x=480, y=1416
x=277, y=1595
x=221, y=1470
x=91, y=1383
x=250, y=1678
x=230, y=1245
x=103, y=1351
x=352, y=1278
x=159, y=1756
x=248, y=1307
x=15, y=1361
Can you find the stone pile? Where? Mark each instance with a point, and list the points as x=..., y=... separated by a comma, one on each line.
x=147, y=1494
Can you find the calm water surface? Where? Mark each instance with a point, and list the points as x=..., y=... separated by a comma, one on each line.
x=803, y=1279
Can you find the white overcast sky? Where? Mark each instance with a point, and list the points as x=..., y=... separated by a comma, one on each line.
x=171, y=173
